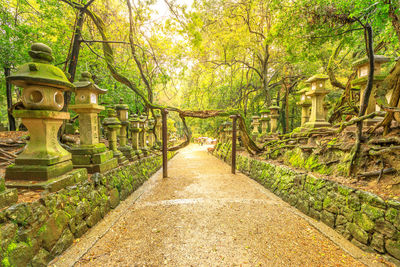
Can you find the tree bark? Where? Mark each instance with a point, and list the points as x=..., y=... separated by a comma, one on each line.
x=11, y=120
x=76, y=45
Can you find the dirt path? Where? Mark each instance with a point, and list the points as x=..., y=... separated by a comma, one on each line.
x=204, y=216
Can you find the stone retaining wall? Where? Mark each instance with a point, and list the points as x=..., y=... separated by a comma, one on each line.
x=32, y=234
x=364, y=218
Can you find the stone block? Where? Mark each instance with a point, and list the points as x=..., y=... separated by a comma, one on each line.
x=63, y=243
x=358, y=233
x=114, y=198
x=81, y=159
x=8, y=197
x=328, y=218
x=372, y=212
x=102, y=157
x=41, y=258
x=377, y=242
x=94, y=217
x=362, y=220
x=18, y=254
x=19, y=213
x=393, y=248
x=52, y=230
x=37, y=172
x=385, y=227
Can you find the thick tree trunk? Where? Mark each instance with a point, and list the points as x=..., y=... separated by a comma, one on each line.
x=11, y=120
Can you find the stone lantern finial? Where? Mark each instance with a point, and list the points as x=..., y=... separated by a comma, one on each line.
x=41, y=53
x=85, y=76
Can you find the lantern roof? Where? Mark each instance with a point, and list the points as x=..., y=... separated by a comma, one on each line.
x=134, y=118
x=317, y=77
x=111, y=118
x=40, y=71
x=86, y=82
x=377, y=59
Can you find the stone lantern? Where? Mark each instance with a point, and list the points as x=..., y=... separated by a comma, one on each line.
x=264, y=120
x=255, y=123
x=151, y=135
x=142, y=133
x=274, y=117
x=122, y=113
x=113, y=125
x=305, y=104
x=135, y=130
x=44, y=158
x=317, y=94
x=158, y=128
x=362, y=68
x=90, y=154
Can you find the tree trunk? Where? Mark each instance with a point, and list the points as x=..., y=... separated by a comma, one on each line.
x=11, y=120
x=74, y=54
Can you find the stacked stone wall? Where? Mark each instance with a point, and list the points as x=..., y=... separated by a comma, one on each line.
x=365, y=219
x=32, y=234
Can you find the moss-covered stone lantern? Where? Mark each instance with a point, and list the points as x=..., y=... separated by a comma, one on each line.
x=158, y=121
x=122, y=113
x=274, y=115
x=265, y=119
x=305, y=104
x=317, y=93
x=151, y=135
x=142, y=134
x=362, y=68
x=135, y=130
x=113, y=125
x=44, y=163
x=255, y=123
x=90, y=153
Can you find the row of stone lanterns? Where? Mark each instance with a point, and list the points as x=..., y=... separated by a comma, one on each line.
x=44, y=163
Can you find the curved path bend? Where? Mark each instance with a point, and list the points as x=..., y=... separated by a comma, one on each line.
x=204, y=216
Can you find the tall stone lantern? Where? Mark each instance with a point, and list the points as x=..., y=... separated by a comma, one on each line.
x=255, y=124
x=135, y=130
x=44, y=158
x=317, y=94
x=151, y=135
x=362, y=68
x=274, y=117
x=122, y=113
x=158, y=126
x=305, y=104
x=113, y=125
x=142, y=134
x=264, y=120
x=90, y=154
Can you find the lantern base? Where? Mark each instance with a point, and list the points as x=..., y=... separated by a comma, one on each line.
x=37, y=172
x=122, y=160
x=8, y=197
x=52, y=185
x=95, y=158
x=128, y=152
x=317, y=124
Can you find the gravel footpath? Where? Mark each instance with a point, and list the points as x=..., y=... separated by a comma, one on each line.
x=204, y=216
